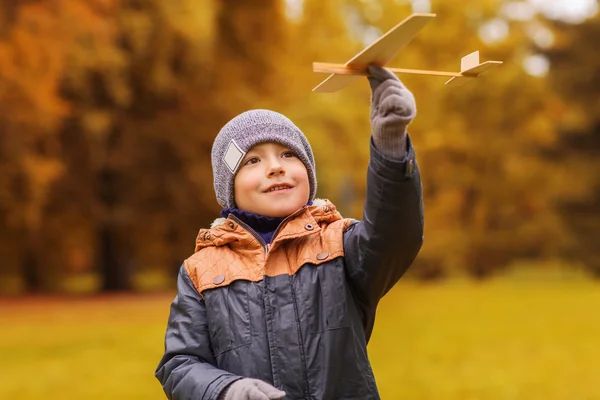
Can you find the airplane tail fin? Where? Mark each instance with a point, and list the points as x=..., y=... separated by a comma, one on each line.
x=470, y=67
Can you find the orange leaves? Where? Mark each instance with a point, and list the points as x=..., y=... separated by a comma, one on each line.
x=137, y=90
x=41, y=173
x=31, y=70
x=37, y=52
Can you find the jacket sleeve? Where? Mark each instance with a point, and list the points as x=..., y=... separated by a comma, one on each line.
x=187, y=369
x=380, y=248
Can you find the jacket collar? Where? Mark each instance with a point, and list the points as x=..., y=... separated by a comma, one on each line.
x=305, y=221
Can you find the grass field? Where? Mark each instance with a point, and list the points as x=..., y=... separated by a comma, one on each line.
x=497, y=340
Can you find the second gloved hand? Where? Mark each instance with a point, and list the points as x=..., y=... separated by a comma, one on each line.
x=251, y=389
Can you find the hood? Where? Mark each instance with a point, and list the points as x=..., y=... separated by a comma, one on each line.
x=225, y=231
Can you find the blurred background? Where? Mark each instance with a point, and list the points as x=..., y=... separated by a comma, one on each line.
x=108, y=110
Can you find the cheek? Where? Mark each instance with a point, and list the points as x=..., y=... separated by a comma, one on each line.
x=244, y=182
x=301, y=176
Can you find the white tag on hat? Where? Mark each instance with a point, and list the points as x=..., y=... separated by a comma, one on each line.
x=233, y=156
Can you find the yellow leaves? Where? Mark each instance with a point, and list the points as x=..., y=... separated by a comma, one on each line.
x=138, y=27
x=194, y=19
x=41, y=173
x=541, y=130
x=38, y=52
x=31, y=71
x=96, y=122
x=142, y=89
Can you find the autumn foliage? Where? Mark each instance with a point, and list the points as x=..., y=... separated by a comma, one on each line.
x=109, y=109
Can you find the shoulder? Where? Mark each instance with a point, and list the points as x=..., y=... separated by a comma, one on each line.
x=329, y=219
x=198, y=265
x=213, y=267
x=339, y=226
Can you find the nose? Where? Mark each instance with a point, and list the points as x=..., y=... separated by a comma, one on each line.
x=275, y=168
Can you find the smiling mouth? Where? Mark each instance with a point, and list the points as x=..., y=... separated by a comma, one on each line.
x=280, y=188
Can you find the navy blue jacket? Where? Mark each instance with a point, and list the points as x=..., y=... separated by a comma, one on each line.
x=297, y=313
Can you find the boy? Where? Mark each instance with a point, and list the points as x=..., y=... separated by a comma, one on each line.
x=279, y=299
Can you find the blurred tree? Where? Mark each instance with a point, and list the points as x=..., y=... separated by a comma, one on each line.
x=575, y=66
x=78, y=79
x=32, y=48
x=136, y=95
x=130, y=156
x=490, y=191
x=250, y=44
x=110, y=108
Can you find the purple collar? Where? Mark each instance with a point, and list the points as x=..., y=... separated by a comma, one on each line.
x=263, y=225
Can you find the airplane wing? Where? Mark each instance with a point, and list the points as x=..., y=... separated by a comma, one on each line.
x=334, y=82
x=380, y=52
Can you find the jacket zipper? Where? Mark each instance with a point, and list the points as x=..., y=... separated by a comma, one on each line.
x=262, y=242
x=265, y=246
x=286, y=219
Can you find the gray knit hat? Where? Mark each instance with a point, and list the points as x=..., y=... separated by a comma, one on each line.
x=247, y=130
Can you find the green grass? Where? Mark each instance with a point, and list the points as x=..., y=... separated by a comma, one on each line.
x=461, y=340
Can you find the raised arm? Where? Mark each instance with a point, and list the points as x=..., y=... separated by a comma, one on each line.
x=380, y=248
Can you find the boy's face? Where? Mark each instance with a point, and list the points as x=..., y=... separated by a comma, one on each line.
x=271, y=181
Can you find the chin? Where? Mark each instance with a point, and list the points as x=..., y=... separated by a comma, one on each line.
x=280, y=213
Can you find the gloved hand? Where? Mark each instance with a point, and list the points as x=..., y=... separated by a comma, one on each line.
x=392, y=109
x=251, y=389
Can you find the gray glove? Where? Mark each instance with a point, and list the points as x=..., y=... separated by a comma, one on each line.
x=392, y=109
x=251, y=389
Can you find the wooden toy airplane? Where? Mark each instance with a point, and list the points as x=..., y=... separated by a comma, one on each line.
x=383, y=51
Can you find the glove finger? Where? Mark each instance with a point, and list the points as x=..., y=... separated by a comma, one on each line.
x=396, y=105
x=276, y=395
x=380, y=95
x=390, y=90
x=377, y=73
x=254, y=393
x=386, y=88
x=272, y=392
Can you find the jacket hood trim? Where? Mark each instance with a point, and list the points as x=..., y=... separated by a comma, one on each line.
x=220, y=221
x=219, y=234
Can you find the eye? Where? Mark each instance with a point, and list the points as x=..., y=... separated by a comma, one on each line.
x=251, y=160
x=288, y=154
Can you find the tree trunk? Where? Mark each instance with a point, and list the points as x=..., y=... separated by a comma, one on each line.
x=112, y=262
x=114, y=269
x=30, y=267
